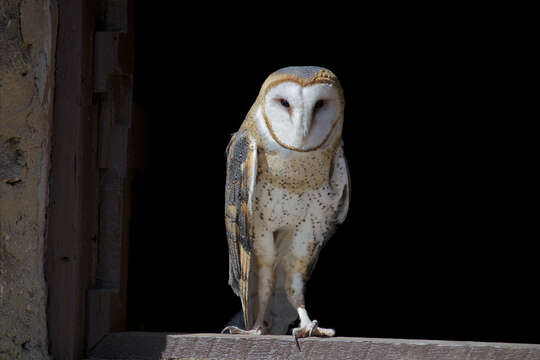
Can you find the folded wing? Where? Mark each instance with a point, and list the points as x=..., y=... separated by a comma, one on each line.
x=240, y=183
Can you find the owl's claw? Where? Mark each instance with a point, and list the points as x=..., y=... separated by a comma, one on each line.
x=312, y=329
x=315, y=324
x=237, y=331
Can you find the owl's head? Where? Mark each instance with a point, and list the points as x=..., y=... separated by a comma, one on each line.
x=302, y=107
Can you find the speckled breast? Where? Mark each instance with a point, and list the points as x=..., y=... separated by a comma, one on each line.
x=298, y=172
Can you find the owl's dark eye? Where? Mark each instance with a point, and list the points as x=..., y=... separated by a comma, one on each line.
x=285, y=103
x=319, y=104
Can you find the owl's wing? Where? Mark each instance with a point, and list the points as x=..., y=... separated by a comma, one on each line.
x=340, y=180
x=342, y=177
x=240, y=183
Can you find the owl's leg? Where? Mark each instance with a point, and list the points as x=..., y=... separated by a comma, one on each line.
x=301, y=255
x=308, y=327
x=265, y=257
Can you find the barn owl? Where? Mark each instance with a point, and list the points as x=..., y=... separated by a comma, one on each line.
x=287, y=188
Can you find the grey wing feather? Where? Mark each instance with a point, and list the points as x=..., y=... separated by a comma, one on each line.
x=240, y=180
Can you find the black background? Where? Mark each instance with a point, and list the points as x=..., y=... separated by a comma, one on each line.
x=438, y=241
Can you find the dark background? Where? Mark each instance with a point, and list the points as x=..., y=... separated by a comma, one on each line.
x=438, y=241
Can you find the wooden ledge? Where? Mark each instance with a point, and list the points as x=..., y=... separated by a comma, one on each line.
x=154, y=346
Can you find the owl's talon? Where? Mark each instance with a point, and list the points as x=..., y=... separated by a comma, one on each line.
x=315, y=324
x=312, y=329
x=237, y=331
x=229, y=329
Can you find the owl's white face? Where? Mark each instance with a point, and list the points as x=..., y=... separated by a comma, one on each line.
x=302, y=117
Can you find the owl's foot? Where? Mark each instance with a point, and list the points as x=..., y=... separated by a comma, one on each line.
x=237, y=331
x=312, y=329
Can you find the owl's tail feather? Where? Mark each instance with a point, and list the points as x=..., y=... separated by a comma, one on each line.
x=245, y=265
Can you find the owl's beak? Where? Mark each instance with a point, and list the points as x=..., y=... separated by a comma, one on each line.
x=304, y=140
x=306, y=126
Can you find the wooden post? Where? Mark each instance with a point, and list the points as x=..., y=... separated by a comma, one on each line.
x=92, y=117
x=113, y=88
x=73, y=206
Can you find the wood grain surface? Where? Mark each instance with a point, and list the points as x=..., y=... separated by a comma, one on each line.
x=150, y=346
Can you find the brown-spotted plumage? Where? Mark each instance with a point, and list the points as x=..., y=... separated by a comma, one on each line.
x=287, y=188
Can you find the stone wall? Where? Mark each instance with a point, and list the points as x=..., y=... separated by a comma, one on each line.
x=27, y=43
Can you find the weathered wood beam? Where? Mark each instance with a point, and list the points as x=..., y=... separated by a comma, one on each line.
x=73, y=205
x=153, y=346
